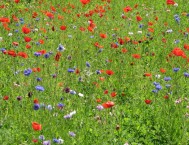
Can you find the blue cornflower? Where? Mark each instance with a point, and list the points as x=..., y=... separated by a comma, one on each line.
x=72, y=92
x=71, y=70
x=39, y=88
x=37, y=19
x=158, y=87
x=154, y=91
x=46, y=55
x=2, y=49
x=98, y=72
x=167, y=78
x=48, y=142
x=60, y=105
x=17, y=24
x=88, y=64
x=186, y=74
x=177, y=41
x=36, y=106
x=176, y=69
x=187, y=15
x=21, y=19
x=155, y=83
x=37, y=54
x=141, y=25
x=42, y=137
x=39, y=79
x=177, y=18
x=27, y=72
x=16, y=31
x=55, y=140
x=60, y=47
x=72, y=134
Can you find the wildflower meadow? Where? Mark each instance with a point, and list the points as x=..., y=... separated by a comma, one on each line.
x=94, y=72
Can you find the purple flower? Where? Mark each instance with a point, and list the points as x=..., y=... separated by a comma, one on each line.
x=176, y=69
x=100, y=107
x=155, y=84
x=68, y=116
x=55, y=140
x=60, y=47
x=46, y=55
x=72, y=92
x=48, y=142
x=158, y=87
x=72, y=134
x=88, y=64
x=37, y=54
x=186, y=74
x=71, y=70
x=41, y=137
x=167, y=78
x=60, y=105
x=39, y=79
x=36, y=106
x=27, y=72
x=19, y=98
x=39, y=88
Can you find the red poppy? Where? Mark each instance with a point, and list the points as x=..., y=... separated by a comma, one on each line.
x=34, y=15
x=147, y=74
x=27, y=39
x=77, y=71
x=41, y=42
x=103, y=35
x=170, y=2
x=127, y=9
x=137, y=56
x=36, y=101
x=16, y=1
x=108, y=104
x=138, y=18
x=57, y=57
x=82, y=28
x=36, y=69
x=186, y=46
x=147, y=101
x=25, y=30
x=42, y=51
x=106, y=92
x=162, y=70
x=151, y=30
x=15, y=18
x=34, y=140
x=84, y=2
x=12, y=53
x=5, y=98
x=15, y=43
x=3, y=19
x=50, y=15
x=63, y=28
x=166, y=97
x=121, y=41
x=178, y=52
x=113, y=94
x=28, y=46
x=22, y=54
x=36, y=126
x=98, y=100
x=53, y=8
x=109, y=72
x=124, y=50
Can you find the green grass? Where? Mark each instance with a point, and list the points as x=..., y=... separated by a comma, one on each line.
x=130, y=120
